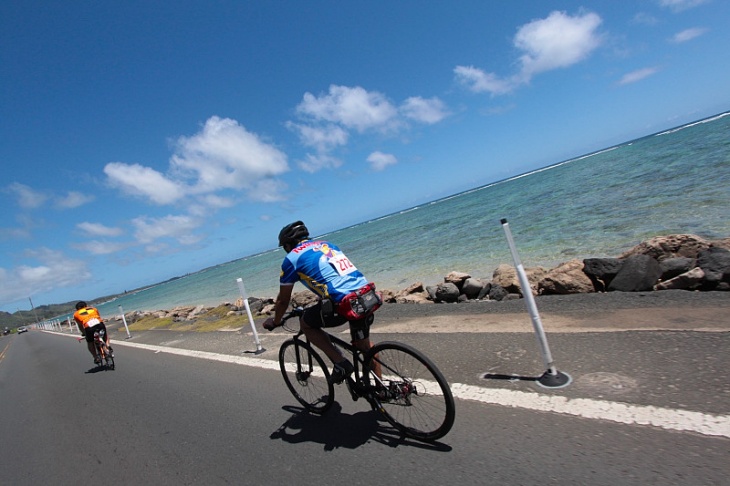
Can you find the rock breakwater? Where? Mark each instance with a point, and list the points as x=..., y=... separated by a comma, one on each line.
x=680, y=261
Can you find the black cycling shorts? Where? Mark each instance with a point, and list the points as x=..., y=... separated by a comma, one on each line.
x=89, y=332
x=314, y=317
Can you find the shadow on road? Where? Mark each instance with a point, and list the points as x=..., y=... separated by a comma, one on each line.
x=98, y=369
x=336, y=429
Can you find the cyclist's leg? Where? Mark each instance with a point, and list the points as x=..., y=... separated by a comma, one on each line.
x=106, y=337
x=360, y=334
x=312, y=323
x=89, y=336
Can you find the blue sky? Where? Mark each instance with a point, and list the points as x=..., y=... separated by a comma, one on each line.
x=144, y=140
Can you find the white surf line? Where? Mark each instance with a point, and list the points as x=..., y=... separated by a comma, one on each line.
x=624, y=413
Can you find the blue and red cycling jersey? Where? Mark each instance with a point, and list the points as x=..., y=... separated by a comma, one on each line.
x=323, y=269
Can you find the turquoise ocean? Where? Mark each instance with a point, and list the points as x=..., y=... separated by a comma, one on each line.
x=597, y=205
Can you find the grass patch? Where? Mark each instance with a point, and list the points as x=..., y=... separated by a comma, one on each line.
x=218, y=318
x=150, y=322
x=213, y=320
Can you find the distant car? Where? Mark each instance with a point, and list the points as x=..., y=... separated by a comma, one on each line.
x=22, y=329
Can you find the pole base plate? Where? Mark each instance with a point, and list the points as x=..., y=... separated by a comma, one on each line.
x=554, y=380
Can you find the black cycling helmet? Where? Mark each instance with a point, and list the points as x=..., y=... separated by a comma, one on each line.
x=81, y=305
x=293, y=233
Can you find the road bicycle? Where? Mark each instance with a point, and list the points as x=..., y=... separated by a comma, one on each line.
x=406, y=387
x=106, y=358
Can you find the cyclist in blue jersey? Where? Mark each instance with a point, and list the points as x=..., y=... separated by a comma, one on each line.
x=344, y=294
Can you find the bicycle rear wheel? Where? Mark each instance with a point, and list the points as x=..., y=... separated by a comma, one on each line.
x=100, y=355
x=306, y=376
x=109, y=359
x=413, y=394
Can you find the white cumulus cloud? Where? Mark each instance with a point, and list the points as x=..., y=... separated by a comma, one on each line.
x=422, y=110
x=379, y=160
x=688, y=34
x=97, y=229
x=178, y=227
x=143, y=181
x=224, y=155
x=49, y=270
x=322, y=138
x=27, y=197
x=354, y=108
x=74, y=199
x=557, y=41
x=315, y=162
x=638, y=75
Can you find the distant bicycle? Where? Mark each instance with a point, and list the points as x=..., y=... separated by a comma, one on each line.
x=106, y=358
x=396, y=379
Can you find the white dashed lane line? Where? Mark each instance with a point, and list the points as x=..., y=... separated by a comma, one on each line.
x=624, y=413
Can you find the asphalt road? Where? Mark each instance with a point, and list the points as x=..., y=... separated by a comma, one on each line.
x=167, y=418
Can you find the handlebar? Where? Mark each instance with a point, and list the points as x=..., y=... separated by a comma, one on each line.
x=296, y=312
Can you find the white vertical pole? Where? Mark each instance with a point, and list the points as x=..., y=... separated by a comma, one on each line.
x=124, y=320
x=552, y=376
x=242, y=290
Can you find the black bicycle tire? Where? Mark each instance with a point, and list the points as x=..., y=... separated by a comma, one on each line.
x=445, y=413
x=322, y=394
x=99, y=355
x=109, y=360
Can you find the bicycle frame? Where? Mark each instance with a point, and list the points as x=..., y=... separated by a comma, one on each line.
x=355, y=384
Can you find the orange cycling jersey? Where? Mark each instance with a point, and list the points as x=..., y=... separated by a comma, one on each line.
x=87, y=317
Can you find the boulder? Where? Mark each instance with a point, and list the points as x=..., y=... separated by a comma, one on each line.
x=484, y=293
x=303, y=299
x=691, y=280
x=456, y=278
x=723, y=243
x=472, y=288
x=601, y=271
x=497, y=292
x=566, y=278
x=506, y=276
x=673, y=267
x=447, y=292
x=672, y=246
x=388, y=295
x=421, y=298
x=638, y=273
x=715, y=263
x=413, y=293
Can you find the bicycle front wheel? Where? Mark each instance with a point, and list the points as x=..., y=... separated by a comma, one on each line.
x=306, y=376
x=412, y=393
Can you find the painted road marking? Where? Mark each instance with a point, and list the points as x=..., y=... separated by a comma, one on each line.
x=2, y=354
x=624, y=413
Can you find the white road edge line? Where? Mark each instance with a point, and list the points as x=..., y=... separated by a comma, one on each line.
x=624, y=413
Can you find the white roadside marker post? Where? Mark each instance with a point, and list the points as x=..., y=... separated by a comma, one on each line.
x=242, y=290
x=552, y=378
x=124, y=320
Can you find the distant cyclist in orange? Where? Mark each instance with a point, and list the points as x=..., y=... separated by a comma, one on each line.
x=90, y=321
